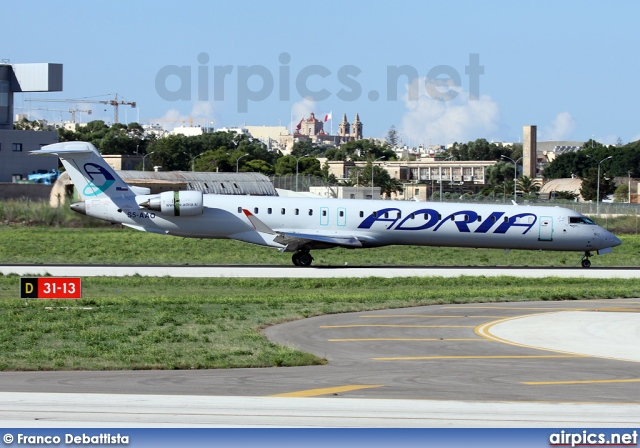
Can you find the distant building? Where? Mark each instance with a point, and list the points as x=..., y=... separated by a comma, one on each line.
x=191, y=131
x=275, y=137
x=313, y=129
x=15, y=163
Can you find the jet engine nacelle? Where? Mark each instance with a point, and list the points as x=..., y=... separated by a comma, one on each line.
x=176, y=203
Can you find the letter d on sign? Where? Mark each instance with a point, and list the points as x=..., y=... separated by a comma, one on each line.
x=28, y=288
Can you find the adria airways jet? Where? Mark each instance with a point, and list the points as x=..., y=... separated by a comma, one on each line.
x=300, y=225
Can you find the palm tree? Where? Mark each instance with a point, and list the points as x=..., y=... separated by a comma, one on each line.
x=390, y=186
x=528, y=185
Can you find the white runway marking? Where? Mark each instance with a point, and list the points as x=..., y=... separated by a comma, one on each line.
x=28, y=410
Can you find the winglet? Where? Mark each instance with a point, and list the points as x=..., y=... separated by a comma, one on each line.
x=258, y=225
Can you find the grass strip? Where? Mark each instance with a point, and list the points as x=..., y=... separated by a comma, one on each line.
x=35, y=245
x=178, y=323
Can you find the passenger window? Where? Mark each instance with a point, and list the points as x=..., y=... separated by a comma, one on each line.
x=506, y=219
x=310, y=212
x=413, y=216
x=386, y=214
x=324, y=213
x=269, y=210
x=374, y=214
x=479, y=218
x=297, y=211
x=255, y=210
x=341, y=213
x=361, y=214
x=282, y=211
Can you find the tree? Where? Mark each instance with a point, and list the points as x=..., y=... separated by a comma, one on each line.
x=392, y=137
x=621, y=194
x=528, y=185
x=389, y=186
x=589, y=189
x=36, y=125
x=302, y=148
x=566, y=195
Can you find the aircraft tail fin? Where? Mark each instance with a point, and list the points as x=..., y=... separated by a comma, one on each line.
x=90, y=173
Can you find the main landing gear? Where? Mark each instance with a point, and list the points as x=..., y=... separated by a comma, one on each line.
x=302, y=258
x=585, y=260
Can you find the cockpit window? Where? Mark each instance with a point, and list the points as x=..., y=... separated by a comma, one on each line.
x=580, y=220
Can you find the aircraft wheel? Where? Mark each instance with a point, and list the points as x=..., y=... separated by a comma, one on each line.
x=586, y=263
x=296, y=259
x=305, y=259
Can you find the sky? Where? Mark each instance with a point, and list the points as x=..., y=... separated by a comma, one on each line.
x=439, y=71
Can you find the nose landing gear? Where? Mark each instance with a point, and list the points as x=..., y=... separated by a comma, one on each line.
x=585, y=259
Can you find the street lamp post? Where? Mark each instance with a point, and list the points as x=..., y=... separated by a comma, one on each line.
x=193, y=159
x=372, y=165
x=440, y=174
x=238, y=161
x=515, y=174
x=144, y=156
x=297, y=160
x=598, y=189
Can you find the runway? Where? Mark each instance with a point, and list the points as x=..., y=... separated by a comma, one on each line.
x=314, y=272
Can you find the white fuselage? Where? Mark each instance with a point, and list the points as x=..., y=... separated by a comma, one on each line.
x=372, y=222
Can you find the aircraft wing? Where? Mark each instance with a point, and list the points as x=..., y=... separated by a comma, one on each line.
x=293, y=240
x=288, y=238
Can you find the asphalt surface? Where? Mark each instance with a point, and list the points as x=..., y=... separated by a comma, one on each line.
x=318, y=272
x=571, y=363
x=427, y=353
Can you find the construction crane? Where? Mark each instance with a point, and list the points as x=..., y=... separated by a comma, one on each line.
x=71, y=110
x=114, y=102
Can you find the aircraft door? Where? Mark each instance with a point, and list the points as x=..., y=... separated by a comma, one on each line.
x=546, y=229
x=324, y=216
x=342, y=216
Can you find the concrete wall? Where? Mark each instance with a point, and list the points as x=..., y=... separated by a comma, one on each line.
x=10, y=190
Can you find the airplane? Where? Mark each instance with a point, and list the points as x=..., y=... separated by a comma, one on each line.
x=300, y=225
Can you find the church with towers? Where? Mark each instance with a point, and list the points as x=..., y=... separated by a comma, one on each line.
x=313, y=129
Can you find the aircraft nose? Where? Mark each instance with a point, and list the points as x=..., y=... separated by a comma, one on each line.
x=615, y=239
x=610, y=239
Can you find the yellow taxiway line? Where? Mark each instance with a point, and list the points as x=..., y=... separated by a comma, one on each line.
x=428, y=316
x=408, y=339
x=553, y=383
x=397, y=326
x=327, y=390
x=419, y=358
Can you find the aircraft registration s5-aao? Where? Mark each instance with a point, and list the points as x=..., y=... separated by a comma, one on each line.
x=300, y=225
